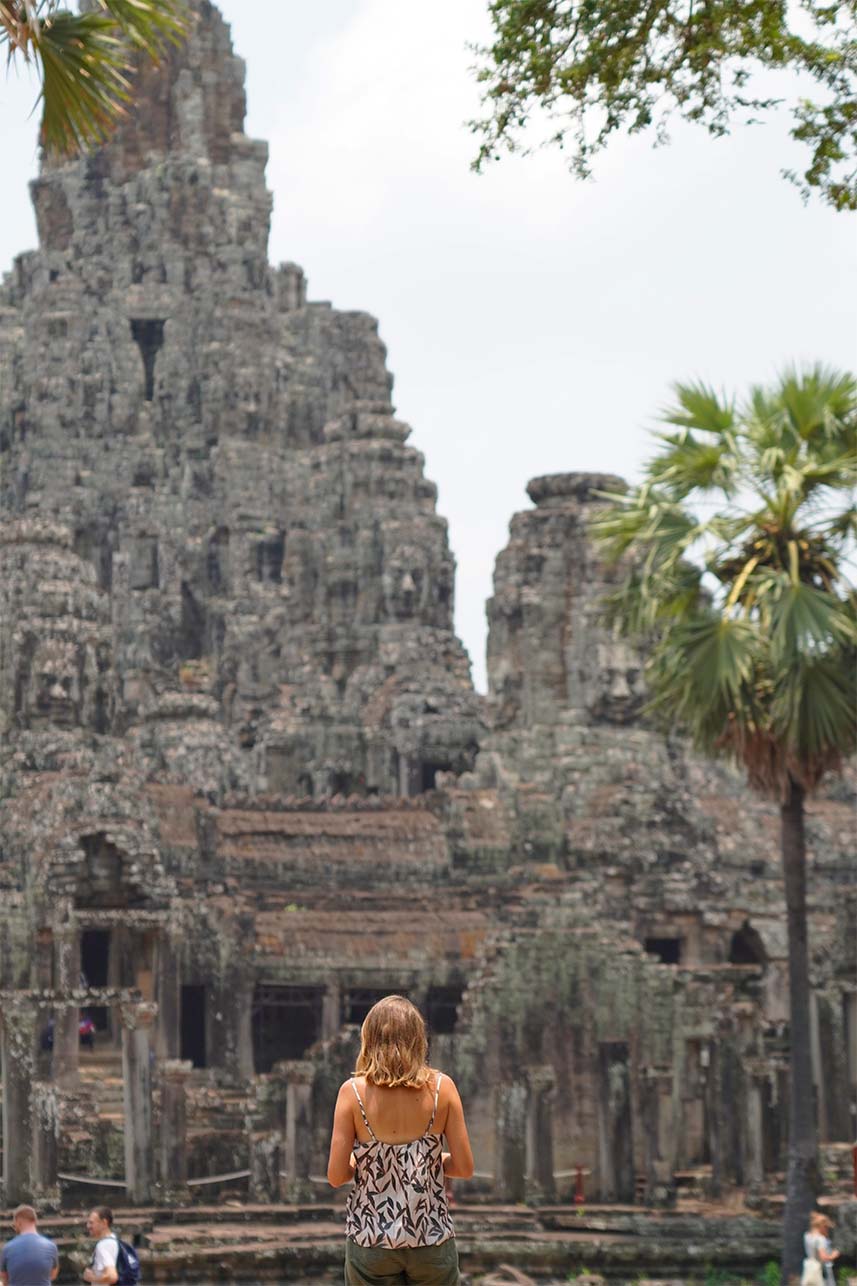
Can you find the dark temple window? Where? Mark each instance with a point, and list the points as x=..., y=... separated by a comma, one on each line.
x=149, y=337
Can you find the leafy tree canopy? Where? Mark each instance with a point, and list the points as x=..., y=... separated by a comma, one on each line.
x=85, y=60
x=735, y=551
x=592, y=67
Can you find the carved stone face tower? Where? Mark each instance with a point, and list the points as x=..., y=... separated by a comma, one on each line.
x=226, y=457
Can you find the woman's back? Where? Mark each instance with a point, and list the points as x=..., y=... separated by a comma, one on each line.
x=400, y=1113
x=399, y=1196
x=388, y=1130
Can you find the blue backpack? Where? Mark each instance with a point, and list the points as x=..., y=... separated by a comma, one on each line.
x=127, y=1265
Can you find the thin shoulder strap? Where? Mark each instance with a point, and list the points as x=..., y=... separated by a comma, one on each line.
x=434, y=1110
x=362, y=1108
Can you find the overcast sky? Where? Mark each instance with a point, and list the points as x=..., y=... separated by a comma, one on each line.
x=534, y=323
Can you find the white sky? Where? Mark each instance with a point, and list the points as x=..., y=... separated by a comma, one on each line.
x=534, y=323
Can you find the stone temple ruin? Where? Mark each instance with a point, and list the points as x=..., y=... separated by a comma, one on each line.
x=247, y=785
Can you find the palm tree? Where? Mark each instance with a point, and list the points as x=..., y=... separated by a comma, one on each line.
x=733, y=556
x=86, y=60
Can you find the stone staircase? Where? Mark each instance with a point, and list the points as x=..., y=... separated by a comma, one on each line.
x=101, y=1075
x=278, y=1242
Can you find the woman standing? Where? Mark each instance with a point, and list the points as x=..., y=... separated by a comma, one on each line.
x=820, y=1257
x=388, y=1128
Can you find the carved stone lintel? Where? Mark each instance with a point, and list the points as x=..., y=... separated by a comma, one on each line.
x=294, y=1071
x=138, y=1014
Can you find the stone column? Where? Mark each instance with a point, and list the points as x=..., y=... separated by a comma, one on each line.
x=65, y=1058
x=541, y=1082
x=244, y=1061
x=43, y=960
x=510, y=1142
x=297, y=1151
x=754, y=1165
x=714, y=1103
x=45, y=1118
x=265, y=1128
x=230, y=1034
x=17, y=1068
x=851, y=1055
x=615, y=1139
x=168, y=995
x=137, y=1023
x=656, y=1107
x=116, y=982
x=331, y=1009
x=818, y=1070
x=65, y=1061
x=173, y=1140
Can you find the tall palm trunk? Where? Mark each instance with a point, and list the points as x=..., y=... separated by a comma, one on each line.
x=802, y=1181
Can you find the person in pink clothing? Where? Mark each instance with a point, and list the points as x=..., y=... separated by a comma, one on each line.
x=390, y=1120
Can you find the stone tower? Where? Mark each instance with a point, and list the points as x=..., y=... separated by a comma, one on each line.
x=226, y=456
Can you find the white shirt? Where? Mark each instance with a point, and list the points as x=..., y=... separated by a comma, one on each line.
x=813, y=1242
x=105, y=1256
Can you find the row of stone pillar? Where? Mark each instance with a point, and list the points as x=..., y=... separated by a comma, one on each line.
x=281, y=1151
x=523, y=1144
x=31, y=1118
x=524, y=1156
x=31, y=1107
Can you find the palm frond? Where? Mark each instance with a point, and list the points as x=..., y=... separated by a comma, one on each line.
x=762, y=667
x=812, y=713
x=700, y=407
x=804, y=621
x=721, y=654
x=819, y=402
x=84, y=82
x=86, y=60
x=688, y=464
x=842, y=527
x=149, y=25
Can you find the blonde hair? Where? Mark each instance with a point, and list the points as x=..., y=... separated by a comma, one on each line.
x=393, y=1045
x=818, y=1220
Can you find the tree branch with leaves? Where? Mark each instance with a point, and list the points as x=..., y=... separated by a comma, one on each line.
x=584, y=70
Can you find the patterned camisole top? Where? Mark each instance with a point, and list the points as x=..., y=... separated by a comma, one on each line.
x=399, y=1195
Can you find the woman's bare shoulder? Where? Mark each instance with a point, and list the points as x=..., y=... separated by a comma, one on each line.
x=447, y=1084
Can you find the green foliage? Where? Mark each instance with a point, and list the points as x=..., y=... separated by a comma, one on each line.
x=770, y=1274
x=86, y=60
x=592, y=67
x=733, y=554
x=718, y=1277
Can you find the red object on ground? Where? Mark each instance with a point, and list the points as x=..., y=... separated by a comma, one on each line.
x=579, y=1197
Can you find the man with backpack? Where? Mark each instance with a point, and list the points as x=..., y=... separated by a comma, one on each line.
x=114, y=1262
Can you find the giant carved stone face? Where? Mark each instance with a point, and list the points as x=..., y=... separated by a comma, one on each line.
x=617, y=690
x=52, y=694
x=405, y=583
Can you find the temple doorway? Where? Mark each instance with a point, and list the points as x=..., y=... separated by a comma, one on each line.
x=286, y=1021
x=193, y=1025
x=95, y=969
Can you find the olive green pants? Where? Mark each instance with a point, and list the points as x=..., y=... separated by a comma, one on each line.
x=378, y=1266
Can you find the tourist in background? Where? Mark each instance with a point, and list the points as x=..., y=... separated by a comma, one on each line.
x=102, y=1271
x=29, y=1259
x=388, y=1127
x=819, y=1256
